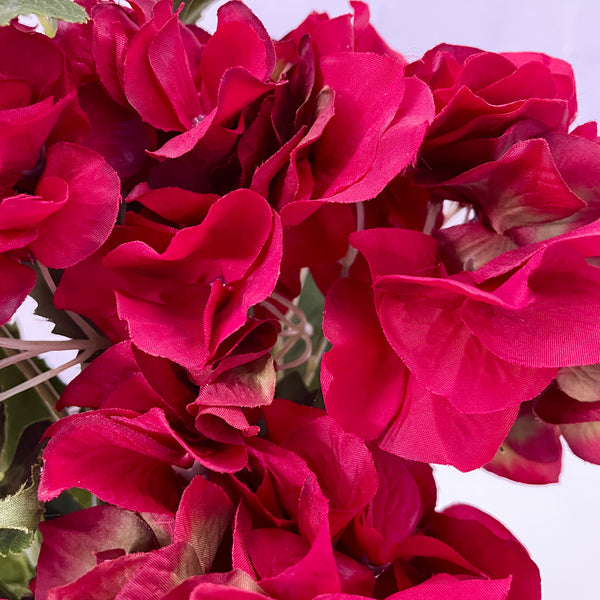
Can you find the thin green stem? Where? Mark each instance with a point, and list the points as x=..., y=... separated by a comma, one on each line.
x=312, y=364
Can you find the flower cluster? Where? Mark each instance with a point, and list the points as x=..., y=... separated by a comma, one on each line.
x=178, y=191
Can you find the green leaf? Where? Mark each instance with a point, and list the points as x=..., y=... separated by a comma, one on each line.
x=192, y=9
x=312, y=303
x=20, y=515
x=46, y=10
x=19, y=413
x=15, y=574
x=291, y=387
x=27, y=455
x=69, y=501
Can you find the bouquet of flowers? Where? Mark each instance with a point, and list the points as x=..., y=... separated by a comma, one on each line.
x=296, y=273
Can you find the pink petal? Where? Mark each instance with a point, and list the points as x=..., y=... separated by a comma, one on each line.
x=84, y=223
x=203, y=516
x=73, y=542
x=555, y=324
x=17, y=281
x=522, y=188
x=430, y=429
x=110, y=443
x=157, y=79
x=239, y=41
x=341, y=461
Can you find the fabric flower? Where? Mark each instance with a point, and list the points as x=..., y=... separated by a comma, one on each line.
x=486, y=102
x=36, y=92
x=129, y=553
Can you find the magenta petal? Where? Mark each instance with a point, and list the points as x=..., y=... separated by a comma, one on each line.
x=489, y=546
x=443, y=587
x=168, y=59
x=17, y=281
x=355, y=578
x=341, y=461
x=522, y=188
x=238, y=89
x=531, y=452
x=163, y=570
x=398, y=146
x=349, y=75
x=392, y=514
x=203, y=516
x=157, y=79
x=23, y=133
x=84, y=223
x=106, y=580
x=363, y=380
x=112, y=30
x=20, y=215
x=446, y=587
x=579, y=422
x=115, y=379
x=391, y=251
x=72, y=543
x=239, y=41
x=117, y=133
x=121, y=456
x=423, y=324
x=182, y=303
x=421, y=318
x=430, y=429
x=398, y=409
x=177, y=205
x=235, y=585
x=313, y=573
x=555, y=324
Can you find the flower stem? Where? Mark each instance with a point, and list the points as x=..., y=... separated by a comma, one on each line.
x=45, y=390
x=89, y=331
x=352, y=253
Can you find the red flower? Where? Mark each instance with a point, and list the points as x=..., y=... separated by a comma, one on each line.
x=17, y=281
x=531, y=452
x=35, y=92
x=484, y=341
x=370, y=391
x=181, y=303
x=198, y=282
x=485, y=102
x=125, y=552
x=307, y=121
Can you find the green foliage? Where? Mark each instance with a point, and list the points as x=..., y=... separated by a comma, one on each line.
x=47, y=11
x=192, y=9
x=23, y=419
x=15, y=574
x=20, y=514
x=16, y=415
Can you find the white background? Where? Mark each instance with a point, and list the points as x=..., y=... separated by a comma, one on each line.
x=559, y=524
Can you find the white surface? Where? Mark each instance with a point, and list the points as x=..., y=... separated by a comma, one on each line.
x=559, y=524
